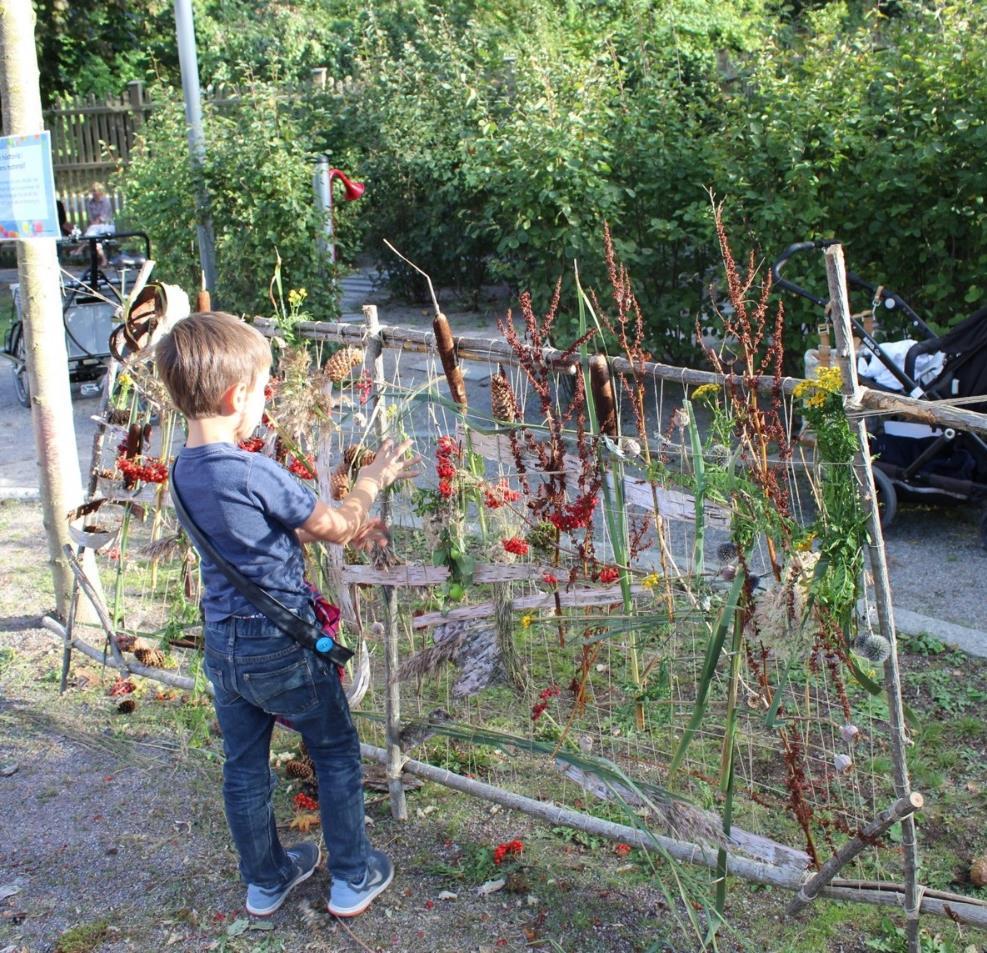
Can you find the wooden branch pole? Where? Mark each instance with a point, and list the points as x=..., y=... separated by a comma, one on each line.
x=902, y=808
x=127, y=668
x=495, y=350
x=958, y=908
x=97, y=603
x=847, y=361
x=392, y=661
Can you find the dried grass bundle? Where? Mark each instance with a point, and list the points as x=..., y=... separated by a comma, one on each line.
x=430, y=660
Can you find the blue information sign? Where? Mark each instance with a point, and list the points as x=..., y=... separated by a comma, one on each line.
x=27, y=188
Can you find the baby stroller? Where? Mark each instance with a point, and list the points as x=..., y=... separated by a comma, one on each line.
x=915, y=461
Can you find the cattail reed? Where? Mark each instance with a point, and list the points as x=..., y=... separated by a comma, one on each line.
x=447, y=352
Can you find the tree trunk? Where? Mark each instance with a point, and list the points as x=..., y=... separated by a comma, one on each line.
x=41, y=302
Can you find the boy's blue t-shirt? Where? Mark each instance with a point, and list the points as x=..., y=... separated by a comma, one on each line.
x=249, y=507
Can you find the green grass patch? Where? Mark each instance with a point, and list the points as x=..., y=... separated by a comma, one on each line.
x=83, y=938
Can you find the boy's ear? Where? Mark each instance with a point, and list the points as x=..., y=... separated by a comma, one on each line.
x=234, y=398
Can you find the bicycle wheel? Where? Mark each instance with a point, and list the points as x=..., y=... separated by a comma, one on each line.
x=22, y=390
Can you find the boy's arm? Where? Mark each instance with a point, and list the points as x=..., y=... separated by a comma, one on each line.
x=342, y=523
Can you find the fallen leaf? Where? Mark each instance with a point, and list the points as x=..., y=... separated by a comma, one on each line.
x=448, y=895
x=8, y=890
x=238, y=926
x=491, y=886
x=305, y=821
x=8, y=769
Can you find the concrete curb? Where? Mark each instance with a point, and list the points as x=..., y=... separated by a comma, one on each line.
x=971, y=641
x=27, y=494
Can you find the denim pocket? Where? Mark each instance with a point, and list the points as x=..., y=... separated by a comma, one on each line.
x=288, y=691
x=214, y=665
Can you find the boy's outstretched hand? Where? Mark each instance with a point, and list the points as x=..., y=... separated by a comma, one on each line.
x=390, y=464
x=373, y=532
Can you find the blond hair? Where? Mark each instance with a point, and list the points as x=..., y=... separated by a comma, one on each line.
x=205, y=355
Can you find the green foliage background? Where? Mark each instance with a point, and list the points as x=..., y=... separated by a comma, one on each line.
x=496, y=137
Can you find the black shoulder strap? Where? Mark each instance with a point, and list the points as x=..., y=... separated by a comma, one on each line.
x=305, y=633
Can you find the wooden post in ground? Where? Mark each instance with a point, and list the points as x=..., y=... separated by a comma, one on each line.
x=902, y=808
x=41, y=304
x=846, y=359
x=392, y=698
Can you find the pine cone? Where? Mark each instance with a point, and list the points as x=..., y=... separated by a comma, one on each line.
x=299, y=769
x=339, y=483
x=338, y=366
x=356, y=456
x=502, y=401
x=152, y=658
x=978, y=872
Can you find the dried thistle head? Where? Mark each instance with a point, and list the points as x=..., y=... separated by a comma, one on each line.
x=300, y=401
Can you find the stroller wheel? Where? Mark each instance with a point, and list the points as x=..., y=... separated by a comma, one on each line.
x=887, y=497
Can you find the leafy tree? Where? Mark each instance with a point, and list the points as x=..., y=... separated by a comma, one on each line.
x=258, y=174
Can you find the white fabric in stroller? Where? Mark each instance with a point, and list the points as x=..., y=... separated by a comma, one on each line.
x=927, y=366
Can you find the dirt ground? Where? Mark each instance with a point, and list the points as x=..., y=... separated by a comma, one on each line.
x=112, y=836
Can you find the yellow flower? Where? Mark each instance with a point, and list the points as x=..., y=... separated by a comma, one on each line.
x=124, y=380
x=829, y=380
x=805, y=544
x=707, y=392
x=296, y=296
x=651, y=580
x=526, y=621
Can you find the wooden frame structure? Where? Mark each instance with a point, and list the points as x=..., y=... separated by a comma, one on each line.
x=788, y=870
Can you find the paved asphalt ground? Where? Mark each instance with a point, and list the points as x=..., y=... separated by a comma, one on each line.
x=937, y=566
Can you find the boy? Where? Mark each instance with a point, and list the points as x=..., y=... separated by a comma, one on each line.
x=216, y=368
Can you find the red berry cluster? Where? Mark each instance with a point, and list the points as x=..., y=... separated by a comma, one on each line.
x=302, y=468
x=574, y=515
x=365, y=386
x=538, y=709
x=499, y=494
x=446, y=453
x=609, y=574
x=550, y=579
x=515, y=545
x=251, y=444
x=154, y=471
x=305, y=803
x=513, y=848
x=121, y=686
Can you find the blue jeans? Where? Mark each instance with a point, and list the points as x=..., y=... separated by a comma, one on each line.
x=258, y=672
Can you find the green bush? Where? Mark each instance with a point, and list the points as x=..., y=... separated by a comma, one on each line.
x=496, y=138
x=258, y=173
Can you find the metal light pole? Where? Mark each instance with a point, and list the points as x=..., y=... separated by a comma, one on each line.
x=188, y=62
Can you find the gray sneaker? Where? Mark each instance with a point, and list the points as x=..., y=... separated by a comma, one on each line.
x=263, y=901
x=349, y=900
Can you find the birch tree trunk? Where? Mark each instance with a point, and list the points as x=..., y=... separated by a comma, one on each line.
x=41, y=301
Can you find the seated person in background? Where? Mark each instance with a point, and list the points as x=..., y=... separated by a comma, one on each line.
x=99, y=210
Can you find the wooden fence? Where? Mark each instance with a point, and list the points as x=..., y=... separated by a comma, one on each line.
x=90, y=139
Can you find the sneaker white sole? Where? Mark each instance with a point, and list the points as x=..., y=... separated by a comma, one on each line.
x=345, y=912
x=267, y=911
